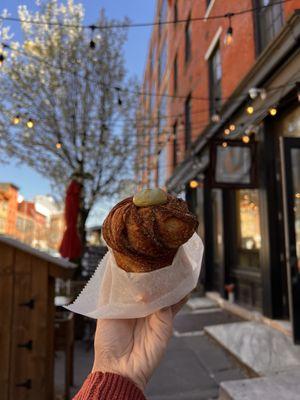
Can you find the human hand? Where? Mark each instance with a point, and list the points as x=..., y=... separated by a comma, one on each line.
x=133, y=348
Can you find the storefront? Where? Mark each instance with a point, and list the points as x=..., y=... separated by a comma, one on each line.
x=251, y=224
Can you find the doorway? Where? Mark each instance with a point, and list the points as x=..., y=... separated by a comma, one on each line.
x=290, y=163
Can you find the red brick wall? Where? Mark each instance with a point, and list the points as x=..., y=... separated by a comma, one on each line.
x=237, y=59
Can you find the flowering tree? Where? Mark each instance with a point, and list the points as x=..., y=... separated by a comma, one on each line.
x=63, y=106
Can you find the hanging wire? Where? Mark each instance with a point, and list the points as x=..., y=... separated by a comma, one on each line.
x=144, y=24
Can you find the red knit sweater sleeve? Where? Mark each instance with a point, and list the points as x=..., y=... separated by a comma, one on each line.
x=108, y=386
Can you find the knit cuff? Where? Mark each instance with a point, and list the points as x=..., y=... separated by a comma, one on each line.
x=104, y=386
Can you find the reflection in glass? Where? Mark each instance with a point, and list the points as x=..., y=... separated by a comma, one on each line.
x=249, y=234
x=295, y=154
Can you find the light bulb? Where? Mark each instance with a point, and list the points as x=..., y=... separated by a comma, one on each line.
x=30, y=123
x=215, y=118
x=250, y=110
x=224, y=144
x=2, y=58
x=194, y=184
x=58, y=145
x=229, y=36
x=232, y=127
x=16, y=120
x=246, y=139
x=227, y=131
x=273, y=111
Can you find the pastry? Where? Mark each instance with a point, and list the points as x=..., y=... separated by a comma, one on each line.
x=145, y=231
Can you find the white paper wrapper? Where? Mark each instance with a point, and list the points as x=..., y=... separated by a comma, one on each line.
x=114, y=293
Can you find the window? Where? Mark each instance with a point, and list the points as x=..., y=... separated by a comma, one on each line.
x=215, y=77
x=175, y=76
x=152, y=59
x=175, y=11
x=269, y=20
x=249, y=234
x=163, y=13
x=162, y=61
x=151, y=150
x=163, y=107
x=188, y=35
x=175, y=144
x=187, y=114
x=162, y=166
x=152, y=97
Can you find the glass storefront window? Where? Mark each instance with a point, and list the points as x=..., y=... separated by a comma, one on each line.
x=249, y=234
x=296, y=188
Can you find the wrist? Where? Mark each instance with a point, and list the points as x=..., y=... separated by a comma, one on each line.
x=140, y=383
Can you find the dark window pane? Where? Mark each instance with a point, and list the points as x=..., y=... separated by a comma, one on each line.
x=270, y=20
x=175, y=74
x=187, y=114
x=188, y=32
x=215, y=78
x=175, y=144
x=162, y=61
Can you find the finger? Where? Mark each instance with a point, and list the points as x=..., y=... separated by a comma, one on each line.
x=177, y=307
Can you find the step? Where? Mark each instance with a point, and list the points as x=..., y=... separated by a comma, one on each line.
x=261, y=349
x=285, y=385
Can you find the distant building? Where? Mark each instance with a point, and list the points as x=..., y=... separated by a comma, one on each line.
x=39, y=223
x=56, y=230
x=31, y=226
x=8, y=207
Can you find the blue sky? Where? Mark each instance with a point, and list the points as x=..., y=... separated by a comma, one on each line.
x=29, y=182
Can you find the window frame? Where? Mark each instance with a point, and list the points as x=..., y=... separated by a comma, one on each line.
x=188, y=41
x=261, y=39
x=175, y=74
x=214, y=100
x=175, y=158
x=187, y=120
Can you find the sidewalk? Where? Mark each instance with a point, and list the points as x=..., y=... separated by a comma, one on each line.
x=193, y=366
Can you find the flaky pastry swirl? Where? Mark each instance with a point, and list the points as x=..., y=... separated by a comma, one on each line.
x=147, y=238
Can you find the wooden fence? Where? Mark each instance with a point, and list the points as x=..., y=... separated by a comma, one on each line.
x=27, y=320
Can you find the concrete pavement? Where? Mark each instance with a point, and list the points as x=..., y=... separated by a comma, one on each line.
x=192, y=368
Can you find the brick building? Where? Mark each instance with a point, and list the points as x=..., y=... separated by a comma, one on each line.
x=8, y=208
x=39, y=223
x=223, y=131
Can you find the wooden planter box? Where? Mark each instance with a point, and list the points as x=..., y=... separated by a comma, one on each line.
x=27, y=320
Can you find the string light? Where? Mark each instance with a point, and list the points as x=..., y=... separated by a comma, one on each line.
x=246, y=139
x=297, y=195
x=92, y=42
x=194, y=184
x=273, y=111
x=232, y=127
x=227, y=131
x=30, y=123
x=224, y=144
x=216, y=117
x=229, y=34
x=16, y=119
x=58, y=145
x=250, y=110
x=2, y=59
x=119, y=97
x=254, y=92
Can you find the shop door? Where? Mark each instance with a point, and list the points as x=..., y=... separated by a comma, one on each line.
x=217, y=241
x=290, y=156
